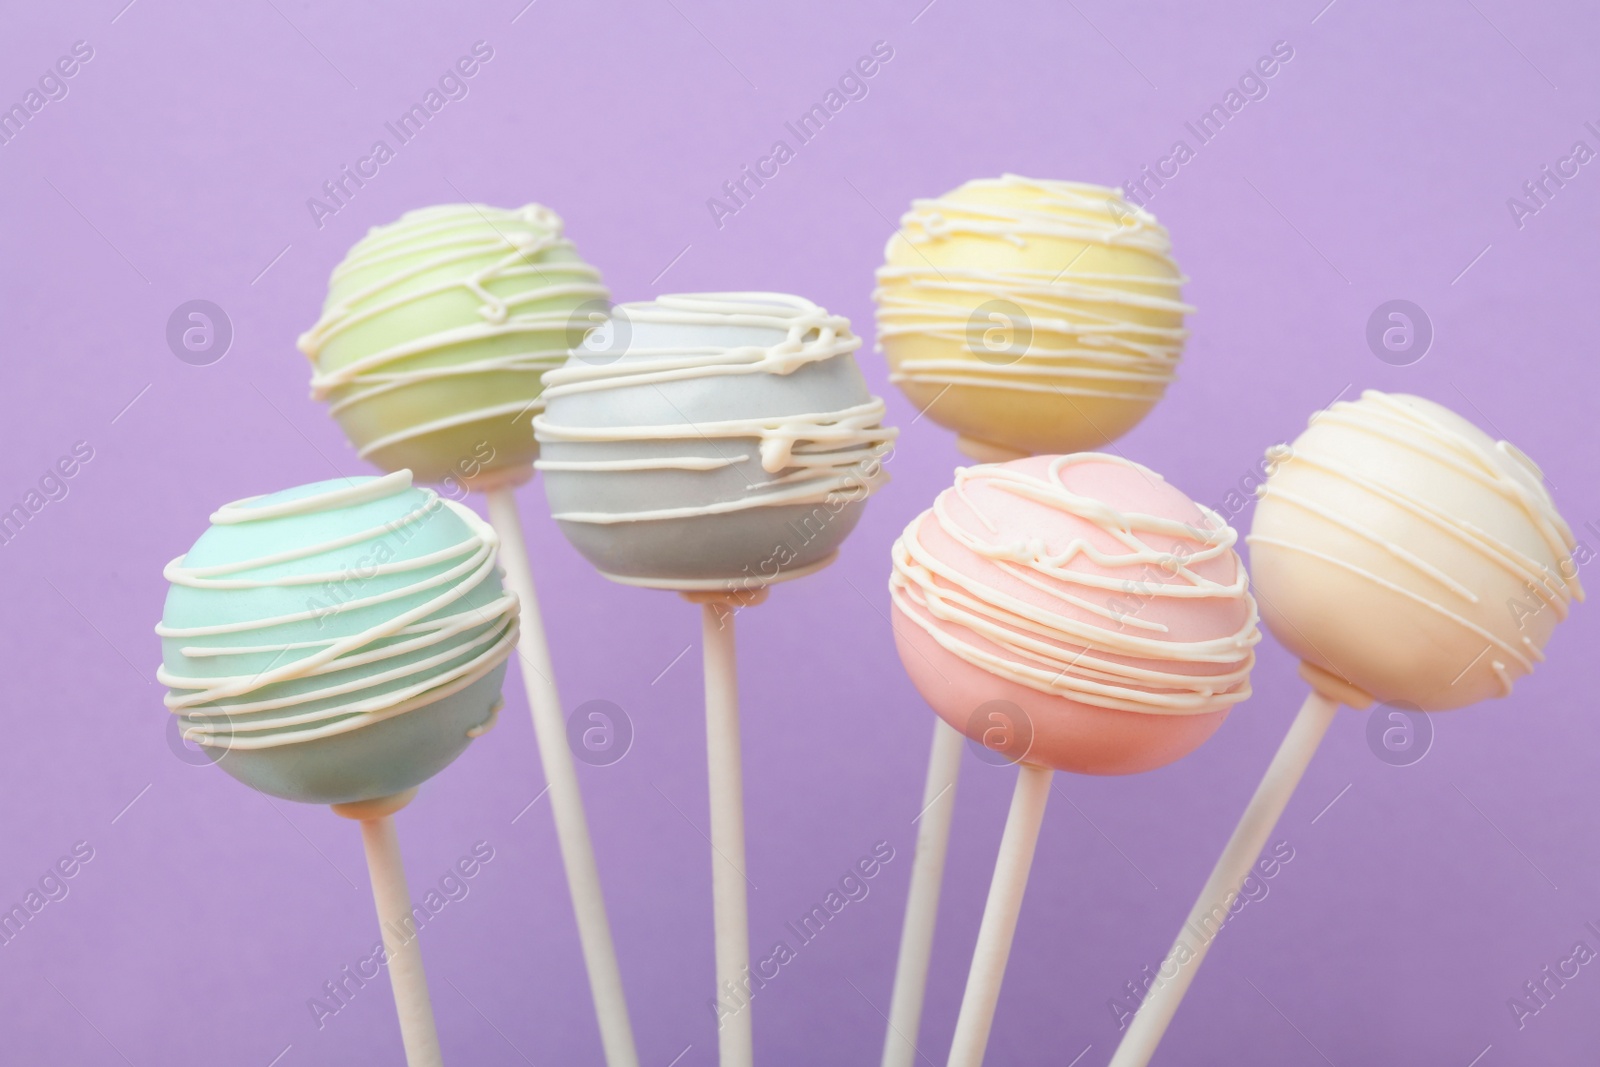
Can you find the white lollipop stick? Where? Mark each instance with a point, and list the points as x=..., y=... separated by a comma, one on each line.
x=561, y=776
x=927, y=869
x=922, y=900
x=729, y=902
x=1000, y=915
x=1221, y=889
x=400, y=945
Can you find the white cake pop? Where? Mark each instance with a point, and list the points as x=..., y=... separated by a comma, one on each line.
x=1406, y=552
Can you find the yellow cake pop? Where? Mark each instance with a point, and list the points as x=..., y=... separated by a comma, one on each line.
x=1031, y=316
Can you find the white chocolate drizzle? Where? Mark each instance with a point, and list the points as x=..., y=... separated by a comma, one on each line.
x=263, y=708
x=488, y=724
x=1122, y=663
x=430, y=241
x=813, y=455
x=1506, y=472
x=1084, y=341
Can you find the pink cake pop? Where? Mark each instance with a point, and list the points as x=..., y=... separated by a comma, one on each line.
x=1076, y=613
x=1099, y=600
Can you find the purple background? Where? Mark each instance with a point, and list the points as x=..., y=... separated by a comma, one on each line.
x=1377, y=168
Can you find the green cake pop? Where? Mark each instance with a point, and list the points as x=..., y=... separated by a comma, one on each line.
x=437, y=331
x=431, y=352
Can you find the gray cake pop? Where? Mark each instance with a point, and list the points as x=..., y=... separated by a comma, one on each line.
x=711, y=441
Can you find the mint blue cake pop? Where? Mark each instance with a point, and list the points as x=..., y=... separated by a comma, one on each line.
x=337, y=642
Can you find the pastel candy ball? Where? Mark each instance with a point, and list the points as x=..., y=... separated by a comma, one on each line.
x=1075, y=612
x=1031, y=317
x=339, y=641
x=1406, y=552
x=712, y=441
x=438, y=328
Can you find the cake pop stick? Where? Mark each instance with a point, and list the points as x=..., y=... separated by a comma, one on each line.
x=431, y=352
x=340, y=643
x=922, y=899
x=1072, y=613
x=402, y=954
x=561, y=775
x=1000, y=913
x=730, y=902
x=714, y=444
x=1405, y=556
x=1030, y=317
x=1227, y=877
